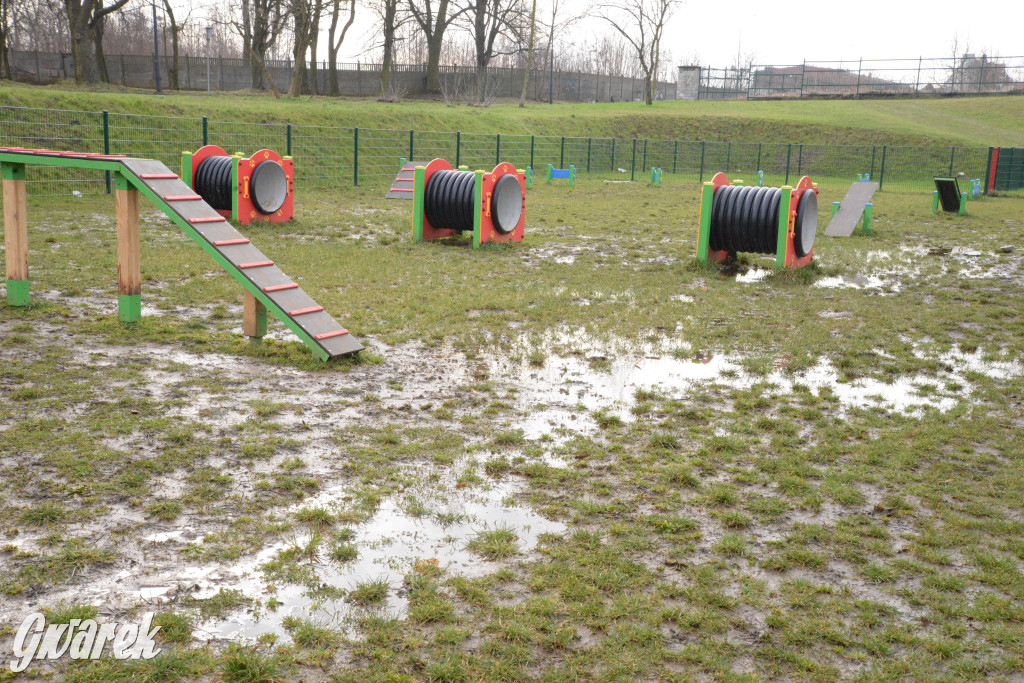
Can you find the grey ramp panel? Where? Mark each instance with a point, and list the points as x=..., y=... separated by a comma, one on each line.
x=402, y=187
x=286, y=300
x=851, y=209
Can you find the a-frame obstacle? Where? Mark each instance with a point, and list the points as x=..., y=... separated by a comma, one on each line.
x=266, y=287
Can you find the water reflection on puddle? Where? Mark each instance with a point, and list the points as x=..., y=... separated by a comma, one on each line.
x=558, y=398
x=437, y=526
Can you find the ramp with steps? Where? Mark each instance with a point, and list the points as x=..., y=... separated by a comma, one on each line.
x=259, y=275
x=402, y=187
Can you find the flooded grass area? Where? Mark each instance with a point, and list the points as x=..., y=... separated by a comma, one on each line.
x=585, y=457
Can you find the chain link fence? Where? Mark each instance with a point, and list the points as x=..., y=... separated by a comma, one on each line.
x=332, y=157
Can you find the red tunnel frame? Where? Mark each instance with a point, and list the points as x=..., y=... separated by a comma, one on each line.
x=244, y=210
x=488, y=233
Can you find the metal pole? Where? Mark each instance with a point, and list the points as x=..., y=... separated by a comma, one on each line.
x=789, y=154
x=561, y=155
x=412, y=144
x=355, y=156
x=206, y=137
x=589, y=140
x=881, y=174
x=675, y=155
x=458, y=147
x=209, y=35
x=632, y=165
x=703, y=145
x=952, y=154
x=156, y=54
x=288, y=137
x=497, y=149
x=532, y=138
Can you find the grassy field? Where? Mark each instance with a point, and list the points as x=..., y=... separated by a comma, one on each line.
x=980, y=121
x=583, y=457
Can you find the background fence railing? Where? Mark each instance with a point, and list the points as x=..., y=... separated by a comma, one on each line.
x=966, y=75
x=353, y=79
x=333, y=157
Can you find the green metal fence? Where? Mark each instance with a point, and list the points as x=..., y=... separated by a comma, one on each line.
x=329, y=157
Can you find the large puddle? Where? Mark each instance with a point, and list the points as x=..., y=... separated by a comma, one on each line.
x=432, y=525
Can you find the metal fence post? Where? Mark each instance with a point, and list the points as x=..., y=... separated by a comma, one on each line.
x=988, y=170
x=675, y=155
x=789, y=154
x=589, y=140
x=728, y=156
x=644, y=165
x=613, y=156
x=800, y=160
x=873, y=149
x=758, y=157
x=355, y=157
x=497, y=149
x=288, y=137
x=561, y=156
x=952, y=155
x=632, y=164
x=412, y=144
x=532, y=140
x=206, y=136
x=881, y=173
x=703, y=146
x=458, y=148
x=106, y=144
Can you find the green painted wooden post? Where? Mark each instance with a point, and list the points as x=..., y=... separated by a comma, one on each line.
x=868, y=210
x=206, y=132
x=458, y=147
x=412, y=144
x=478, y=195
x=632, y=164
x=16, y=235
x=561, y=156
x=106, y=145
x=703, y=146
x=988, y=170
x=707, y=195
x=288, y=138
x=881, y=173
x=780, y=250
x=355, y=157
x=417, y=203
x=789, y=154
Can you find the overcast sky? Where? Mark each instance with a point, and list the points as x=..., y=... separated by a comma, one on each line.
x=776, y=34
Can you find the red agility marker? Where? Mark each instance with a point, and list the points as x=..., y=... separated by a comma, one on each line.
x=328, y=335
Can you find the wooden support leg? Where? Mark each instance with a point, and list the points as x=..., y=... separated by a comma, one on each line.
x=16, y=233
x=254, y=318
x=129, y=252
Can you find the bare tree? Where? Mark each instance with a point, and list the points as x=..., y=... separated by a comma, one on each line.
x=333, y=46
x=259, y=26
x=391, y=18
x=529, y=54
x=83, y=17
x=642, y=23
x=176, y=29
x=306, y=15
x=489, y=21
x=433, y=23
x=6, y=12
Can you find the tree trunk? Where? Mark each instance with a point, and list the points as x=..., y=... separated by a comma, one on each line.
x=529, y=54
x=81, y=41
x=334, y=46
x=101, y=60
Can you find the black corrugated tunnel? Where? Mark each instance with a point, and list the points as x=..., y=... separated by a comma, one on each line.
x=268, y=185
x=746, y=218
x=448, y=201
